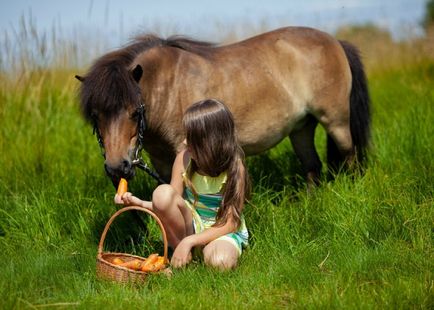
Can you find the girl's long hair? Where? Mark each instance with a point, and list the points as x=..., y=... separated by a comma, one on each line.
x=212, y=142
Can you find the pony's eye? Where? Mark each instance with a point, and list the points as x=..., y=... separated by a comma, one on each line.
x=135, y=115
x=94, y=116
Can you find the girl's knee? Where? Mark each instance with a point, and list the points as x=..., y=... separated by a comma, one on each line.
x=163, y=197
x=221, y=261
x=221, y=258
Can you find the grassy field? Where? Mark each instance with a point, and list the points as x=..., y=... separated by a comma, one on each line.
x=357, y=242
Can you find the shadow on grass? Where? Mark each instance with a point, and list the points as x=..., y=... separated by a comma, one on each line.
x=126, y=235
x=282, y=174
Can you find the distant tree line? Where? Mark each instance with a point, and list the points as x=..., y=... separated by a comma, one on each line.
x=429, y=14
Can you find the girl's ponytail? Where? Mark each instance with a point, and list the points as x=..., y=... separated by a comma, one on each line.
x=237, y=190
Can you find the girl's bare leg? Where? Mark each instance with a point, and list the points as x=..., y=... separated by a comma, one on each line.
x=176, y=217
x=221, y=254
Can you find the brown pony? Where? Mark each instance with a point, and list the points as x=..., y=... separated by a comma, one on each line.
x=277, y=84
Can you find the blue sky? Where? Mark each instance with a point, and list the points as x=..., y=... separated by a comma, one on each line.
x=122, y=19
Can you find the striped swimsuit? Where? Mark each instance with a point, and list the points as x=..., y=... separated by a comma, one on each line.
x=209, y=199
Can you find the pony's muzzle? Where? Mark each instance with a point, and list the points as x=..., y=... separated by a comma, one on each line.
x=124, y=170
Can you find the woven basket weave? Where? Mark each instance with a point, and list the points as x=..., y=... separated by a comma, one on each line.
x=109, y=271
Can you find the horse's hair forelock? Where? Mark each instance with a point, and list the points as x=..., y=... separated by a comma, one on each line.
x=109, y=86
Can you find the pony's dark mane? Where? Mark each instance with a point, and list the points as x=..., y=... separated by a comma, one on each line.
x=202, y=48
x=109, y=85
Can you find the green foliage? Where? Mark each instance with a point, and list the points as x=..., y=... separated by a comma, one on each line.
x=366, y=31
x=356, y=242
x=429, y=14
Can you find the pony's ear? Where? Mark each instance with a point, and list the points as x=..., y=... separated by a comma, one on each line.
x=80, y=78
x=137, y=73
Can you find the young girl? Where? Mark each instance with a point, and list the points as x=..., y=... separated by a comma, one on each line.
x=202, y=207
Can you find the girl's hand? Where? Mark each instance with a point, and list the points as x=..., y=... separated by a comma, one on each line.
x=182, y=254
x=129, y=200
x=118, y=200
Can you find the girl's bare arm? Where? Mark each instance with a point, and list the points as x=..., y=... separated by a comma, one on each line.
x=212, y=233
x=128, y=199
x=179, y=166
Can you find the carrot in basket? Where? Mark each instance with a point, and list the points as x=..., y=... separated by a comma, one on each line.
x=148, y=265
x=156, y=266
x=134, y=264
x=117, y=261
x=159, y=264
x=122, y=187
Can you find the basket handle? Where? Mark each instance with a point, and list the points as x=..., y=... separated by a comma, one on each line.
x=125, y=209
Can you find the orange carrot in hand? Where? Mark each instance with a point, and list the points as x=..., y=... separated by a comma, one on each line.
x=122, y=187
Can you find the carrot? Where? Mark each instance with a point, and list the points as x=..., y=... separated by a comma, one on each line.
x=122, y=187
x=134, y=264
x=159, y=264
x=117, y=261
x=148, y=265
x=152, y=258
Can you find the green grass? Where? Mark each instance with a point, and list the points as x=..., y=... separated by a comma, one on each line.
x=357, y=242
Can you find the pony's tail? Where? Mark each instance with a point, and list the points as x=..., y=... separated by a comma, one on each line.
x=360, y=112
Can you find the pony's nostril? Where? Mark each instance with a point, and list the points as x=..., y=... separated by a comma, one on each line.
x=123, y=170
x=126, y=167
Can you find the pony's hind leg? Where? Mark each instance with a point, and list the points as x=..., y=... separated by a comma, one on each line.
x=302, y=140
x=340, y=149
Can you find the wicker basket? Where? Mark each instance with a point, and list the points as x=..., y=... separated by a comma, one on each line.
x=106, y=270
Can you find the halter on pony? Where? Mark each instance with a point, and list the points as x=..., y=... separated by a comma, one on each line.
x=137, y=160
